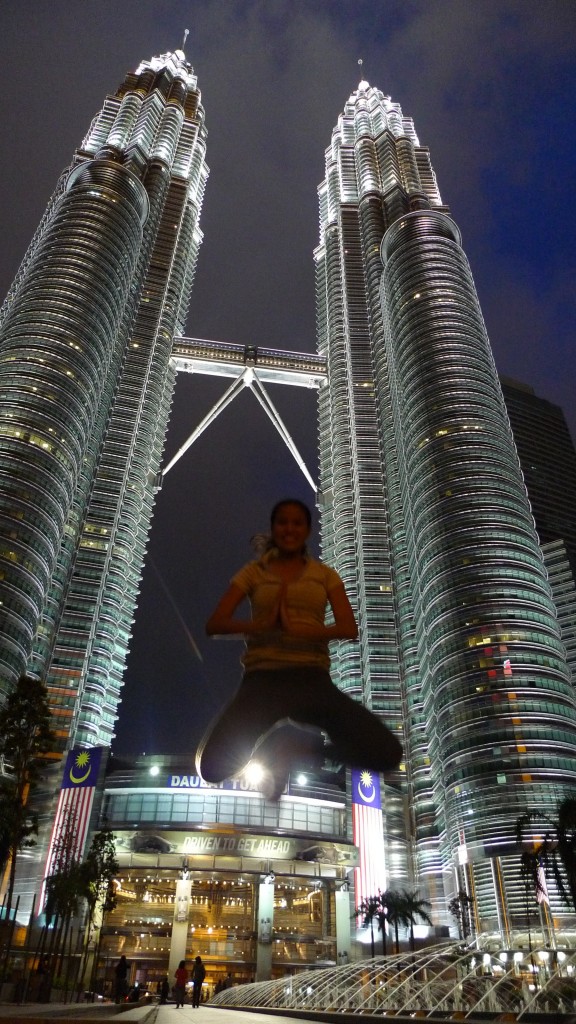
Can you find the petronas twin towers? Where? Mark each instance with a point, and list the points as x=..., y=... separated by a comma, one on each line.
x=423, y=507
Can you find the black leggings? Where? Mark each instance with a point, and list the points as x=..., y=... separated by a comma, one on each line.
x=307, y=697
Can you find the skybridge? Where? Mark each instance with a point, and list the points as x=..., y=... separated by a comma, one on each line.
x=227, y=359
x=252, y=367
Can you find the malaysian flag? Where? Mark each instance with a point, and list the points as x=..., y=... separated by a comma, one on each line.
x=542, y=889
x=74, y=807
x=370, y=875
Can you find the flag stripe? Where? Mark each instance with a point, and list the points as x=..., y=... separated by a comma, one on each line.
x=370, y=875
x=542, y=892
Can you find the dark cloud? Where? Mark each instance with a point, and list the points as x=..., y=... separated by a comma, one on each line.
x=490, y=86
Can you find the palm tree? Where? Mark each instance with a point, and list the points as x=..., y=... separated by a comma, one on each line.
x=368, y=910
x=532, y=869
x=393, y=902
x=415, y=907
x=460, y=907
x=532, y=876
x=382, y=918
x=566, y=833
x=400, y=909
x=555, y=852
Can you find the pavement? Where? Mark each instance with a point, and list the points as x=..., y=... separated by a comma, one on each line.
x=61, y=1013
x=36, y=1013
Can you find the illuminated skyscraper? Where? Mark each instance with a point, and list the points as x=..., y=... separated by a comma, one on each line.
x=426, y=516
x=85, y=389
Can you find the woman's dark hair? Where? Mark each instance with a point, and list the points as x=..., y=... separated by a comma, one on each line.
x=181, y=964
x=291, y=501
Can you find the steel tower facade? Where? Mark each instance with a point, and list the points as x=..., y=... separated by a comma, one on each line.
x=86, y=385
x=426, y=516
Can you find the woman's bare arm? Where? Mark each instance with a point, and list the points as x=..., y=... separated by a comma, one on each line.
x=344, y=621
x=223, y=622
x=343, y=628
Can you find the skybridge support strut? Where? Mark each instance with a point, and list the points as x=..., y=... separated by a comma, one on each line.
x=247, y=378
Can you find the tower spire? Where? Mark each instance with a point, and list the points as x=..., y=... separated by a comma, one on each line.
x=186, y=34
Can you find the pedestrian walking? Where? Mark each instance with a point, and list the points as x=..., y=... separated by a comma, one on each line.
x=181, y=976
x=198, y=975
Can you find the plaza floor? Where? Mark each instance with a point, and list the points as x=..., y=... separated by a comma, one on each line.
x=155, y=1014
x=207, y=1014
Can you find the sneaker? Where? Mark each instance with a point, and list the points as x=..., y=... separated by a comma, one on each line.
x=280, y=750
x=274, y=782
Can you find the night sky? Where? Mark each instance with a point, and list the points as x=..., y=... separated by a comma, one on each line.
x=490, y=85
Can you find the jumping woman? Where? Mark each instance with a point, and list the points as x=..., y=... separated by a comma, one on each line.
x=287, y=667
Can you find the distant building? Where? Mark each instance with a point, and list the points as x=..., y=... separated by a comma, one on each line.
x=548, y=460
x=563, y=584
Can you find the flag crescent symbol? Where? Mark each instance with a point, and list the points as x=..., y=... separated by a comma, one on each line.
x=367, y=799
x=81, y=778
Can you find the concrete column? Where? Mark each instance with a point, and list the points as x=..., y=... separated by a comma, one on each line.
x=343, y=936
x=325, y=896
x=179, y=925
x=501, y=901
x=265, y=927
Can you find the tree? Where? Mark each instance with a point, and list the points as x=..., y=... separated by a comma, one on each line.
x=99, y=869
x=382, y=918
x=460, y=907
x=25, y=737
x=532, y=871
x=413, y=908
x=554, y=853
x=397, y=908
x=65, y=891
x=65, y=885
x=74, y=884
x=534, y=882
x=566, y=846
x=393, y=903
x=368, y=910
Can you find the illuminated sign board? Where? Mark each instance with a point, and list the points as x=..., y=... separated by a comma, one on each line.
x=239, y=844
x=195, y=782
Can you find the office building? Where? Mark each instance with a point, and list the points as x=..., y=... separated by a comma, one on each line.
x=563, y=585
x=548, y=461
x=86, y=385
x=425, y=515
